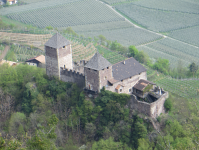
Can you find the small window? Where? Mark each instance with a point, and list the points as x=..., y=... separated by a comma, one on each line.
x=64, y=66
x=120, y=90
x=64, y=46
x=121, y=80
x=129, y=90
x=105, y=78
x=107, y=67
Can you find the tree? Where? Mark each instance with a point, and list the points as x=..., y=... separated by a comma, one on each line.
x=193, y=68
x=109, y=144
x=162, y=65
x=168, y=104
x=133, y=51
x=102, y=39
x=49, y=27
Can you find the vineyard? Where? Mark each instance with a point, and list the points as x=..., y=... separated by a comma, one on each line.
x=172, y=50
x=33, y=5
x=170, y=5
x=186, y=35
x=112, y=57
x=158, y=20
x=70, y=14
x=126, y=36
x=187, y=88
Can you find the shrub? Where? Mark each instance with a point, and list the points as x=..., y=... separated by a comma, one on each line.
x=168, y=105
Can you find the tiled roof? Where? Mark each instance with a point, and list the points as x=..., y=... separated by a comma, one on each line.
x=57, y=41
x=118, y=87
x=98, y=62
x=128, y=68
x=9, y=62
x=141, y=84
x=112, y=80
x=40, y=58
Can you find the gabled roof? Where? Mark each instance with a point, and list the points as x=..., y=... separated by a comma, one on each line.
x=57, y=41
x=98, y=62
x=128, y=68
x=40, y=58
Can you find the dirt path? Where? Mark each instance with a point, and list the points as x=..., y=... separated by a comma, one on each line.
x=4, y=52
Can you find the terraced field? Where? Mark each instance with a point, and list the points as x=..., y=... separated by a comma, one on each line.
x=170, y=27
x=112, y=57
x=38, y=40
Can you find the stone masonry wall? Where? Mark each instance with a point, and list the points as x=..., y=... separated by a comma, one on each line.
x=104, y=75
x=65, y=57
x=91, y=79
x=52, y=66
x=150, y=109
x=68, y=75
x=128, y=83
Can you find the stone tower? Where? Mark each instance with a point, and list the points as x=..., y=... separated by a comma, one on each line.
x=58, y=53
x=97, y=72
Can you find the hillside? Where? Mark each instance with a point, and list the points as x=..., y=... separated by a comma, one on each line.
x=167, y=29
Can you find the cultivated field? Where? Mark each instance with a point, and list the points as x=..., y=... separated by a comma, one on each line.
x=126, y=36
x=69, y=14
x=172, y=50
x=38, y=40
x=188, y=35
x=171, y=28
x=157, y=19
x=112, y=57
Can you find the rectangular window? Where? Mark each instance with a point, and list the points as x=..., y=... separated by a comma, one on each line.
x=120, y=90
x=64, y=46
x=129, y=90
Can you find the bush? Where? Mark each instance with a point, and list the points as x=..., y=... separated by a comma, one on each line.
x=168, y=105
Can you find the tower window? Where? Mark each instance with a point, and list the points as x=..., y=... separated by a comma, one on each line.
x=107, y=67
x=64, y=46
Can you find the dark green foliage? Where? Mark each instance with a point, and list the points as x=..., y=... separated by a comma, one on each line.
x=193, y=68
x=49, y=27
x=168, y=104
x=109, y=144
x=133, y=51
x=162, y=65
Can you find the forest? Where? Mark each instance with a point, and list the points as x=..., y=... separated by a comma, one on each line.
x=42, y=113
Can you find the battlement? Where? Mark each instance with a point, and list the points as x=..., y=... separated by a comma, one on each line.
x=70, y=72
x=68, y=75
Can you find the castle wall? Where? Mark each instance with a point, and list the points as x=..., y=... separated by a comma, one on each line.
x=67, y=75
x=127, y=83
x=52, y=66
x=104, y=76
x=65, y=57
x=91, y=79
x=150, y=109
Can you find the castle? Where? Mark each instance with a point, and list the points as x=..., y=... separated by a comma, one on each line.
x=128, y=76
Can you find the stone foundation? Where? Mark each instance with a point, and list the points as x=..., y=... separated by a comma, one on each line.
x=150, y=109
